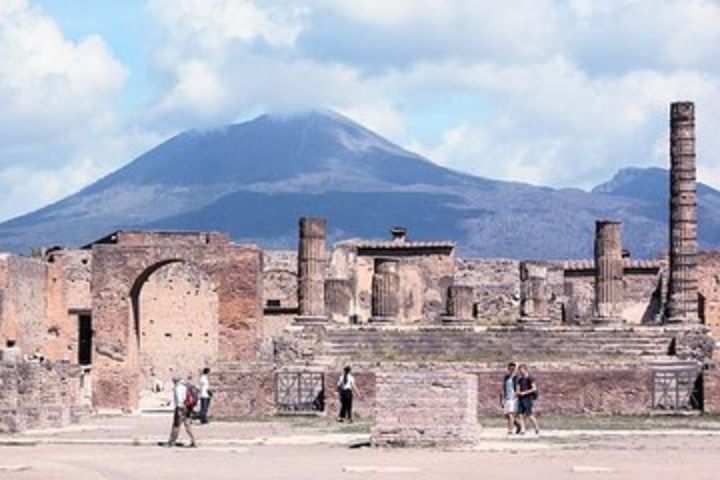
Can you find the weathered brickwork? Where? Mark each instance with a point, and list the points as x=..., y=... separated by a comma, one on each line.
x=425, y=408
x=178, y=323
x=243, y=390
x=24, y=302
x=120, y=272
x=40, y=396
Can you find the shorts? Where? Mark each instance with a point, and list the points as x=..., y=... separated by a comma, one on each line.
x=509, y=406
x=525, y=405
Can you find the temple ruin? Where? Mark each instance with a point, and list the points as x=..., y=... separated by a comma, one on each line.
x=119, y=317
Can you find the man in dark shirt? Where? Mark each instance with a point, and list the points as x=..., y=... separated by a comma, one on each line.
x=527, y=392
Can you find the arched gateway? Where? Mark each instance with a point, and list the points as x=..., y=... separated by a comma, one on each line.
x=166, y=303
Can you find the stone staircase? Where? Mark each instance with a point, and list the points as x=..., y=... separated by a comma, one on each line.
x=498, y=343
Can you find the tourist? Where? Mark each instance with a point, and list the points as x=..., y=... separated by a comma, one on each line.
x=205, y=395
x=527, y=393
x=508, y=399
x=183, y=410
x=346, y=387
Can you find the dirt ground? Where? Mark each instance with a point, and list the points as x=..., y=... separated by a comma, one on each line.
x=125, y=448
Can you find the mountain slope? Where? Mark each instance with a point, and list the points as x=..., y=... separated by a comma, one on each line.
x=254, y=179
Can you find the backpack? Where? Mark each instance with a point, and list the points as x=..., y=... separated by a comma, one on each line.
x=192, y=394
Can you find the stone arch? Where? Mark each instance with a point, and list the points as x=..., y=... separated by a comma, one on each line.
x=175, y=318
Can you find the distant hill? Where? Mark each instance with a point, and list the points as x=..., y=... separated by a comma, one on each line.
x=255, y=179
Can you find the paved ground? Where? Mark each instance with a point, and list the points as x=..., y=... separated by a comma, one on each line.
x=318, y=450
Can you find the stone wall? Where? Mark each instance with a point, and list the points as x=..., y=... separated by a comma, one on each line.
x=607, y=389
x=34, y=395
x=496, y=287
x=24, y=302
x=425, y=408
x=68, y=294
x=280, y=279
x=119, y=273
x=242, y=390
x=711, y=390
x=709, y=287
x=178, y=325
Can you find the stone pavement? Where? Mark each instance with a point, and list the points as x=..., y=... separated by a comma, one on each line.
x=125, y=447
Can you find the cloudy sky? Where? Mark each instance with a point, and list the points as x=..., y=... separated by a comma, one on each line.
x=560, y=93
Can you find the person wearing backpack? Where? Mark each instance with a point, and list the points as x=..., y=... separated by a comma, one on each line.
x=508, y=398
x=527, y=393
x=185, y=397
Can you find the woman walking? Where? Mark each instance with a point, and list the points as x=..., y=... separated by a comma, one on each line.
x=346, y=387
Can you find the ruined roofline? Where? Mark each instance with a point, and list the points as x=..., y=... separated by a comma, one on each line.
x=144, y=237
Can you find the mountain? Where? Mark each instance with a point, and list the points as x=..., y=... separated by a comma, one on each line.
x=253, y=180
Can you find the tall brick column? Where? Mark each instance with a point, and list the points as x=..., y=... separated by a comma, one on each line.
x=311, y=269
x=608, y=270
x=385, y=291
x=682, y=305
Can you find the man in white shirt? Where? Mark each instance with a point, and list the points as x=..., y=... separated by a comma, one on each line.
x=205, y=395
x=346, y=387
x=182, y=413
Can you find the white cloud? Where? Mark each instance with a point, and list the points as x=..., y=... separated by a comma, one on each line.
x=57, y=95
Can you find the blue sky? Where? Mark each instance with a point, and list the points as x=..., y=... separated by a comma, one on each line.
x=559, y=93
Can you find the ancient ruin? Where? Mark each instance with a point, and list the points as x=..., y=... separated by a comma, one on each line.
x=116, y=319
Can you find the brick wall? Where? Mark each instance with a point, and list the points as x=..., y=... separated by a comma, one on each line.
x=425, y=409
x=608, y=390
x=242, y=390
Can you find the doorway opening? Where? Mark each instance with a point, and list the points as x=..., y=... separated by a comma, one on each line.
x=85, y=339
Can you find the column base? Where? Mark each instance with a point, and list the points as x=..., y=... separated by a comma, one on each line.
x=311, y=320
x=382, y=320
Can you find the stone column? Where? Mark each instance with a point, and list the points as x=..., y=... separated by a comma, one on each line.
x=535, y=295
x=682, y=303
x=311, y=269
x=608, y=270
x=385, y=291
x=460, y=301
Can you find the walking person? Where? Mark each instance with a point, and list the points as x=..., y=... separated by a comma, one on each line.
x=184, y=406
x=508, y=398
x=527, y=393
x=205, y=395
x=346, y=387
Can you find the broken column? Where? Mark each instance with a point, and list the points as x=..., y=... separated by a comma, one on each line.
x=535, y=292
x=385, y=291
x=608, y=270
x=682, y=304
x=311, y=270
x=460, y=302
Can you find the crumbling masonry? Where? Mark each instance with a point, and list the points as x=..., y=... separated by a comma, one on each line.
x=123, y=314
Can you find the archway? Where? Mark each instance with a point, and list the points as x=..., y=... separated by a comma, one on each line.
x=175, y=313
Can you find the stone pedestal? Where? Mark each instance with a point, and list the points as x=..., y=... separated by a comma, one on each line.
x=608, y=271
x=425, y=409
x=311, y=271
x=682, y=304
x=385, y=291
